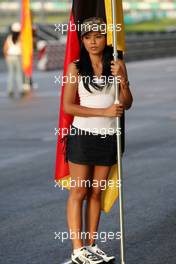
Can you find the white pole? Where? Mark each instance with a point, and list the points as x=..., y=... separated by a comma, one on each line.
x=119, y=150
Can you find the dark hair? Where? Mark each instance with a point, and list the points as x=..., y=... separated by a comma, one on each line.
x=85, y=68
x=15, y=36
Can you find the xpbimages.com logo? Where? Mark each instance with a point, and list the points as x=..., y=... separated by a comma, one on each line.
x=104, y=28
x=81, y=183
x=67, y=79
x=72, y=131
x=102, y=236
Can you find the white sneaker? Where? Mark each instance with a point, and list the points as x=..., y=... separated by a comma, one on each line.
x=96, y=250
x=84, y=256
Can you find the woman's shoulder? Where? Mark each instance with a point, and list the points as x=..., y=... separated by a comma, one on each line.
x=9, y=38
x=76, y=61
x=72, y=67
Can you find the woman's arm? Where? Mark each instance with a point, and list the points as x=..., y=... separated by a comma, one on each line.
x=71, y=108
x=125, y=96
x=5, y=48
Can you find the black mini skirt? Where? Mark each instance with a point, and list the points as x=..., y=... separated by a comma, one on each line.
x=83, y=147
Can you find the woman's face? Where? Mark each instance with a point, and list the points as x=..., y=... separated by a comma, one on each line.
x=94, y=42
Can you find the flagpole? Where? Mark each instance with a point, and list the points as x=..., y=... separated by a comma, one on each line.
x=119, y=150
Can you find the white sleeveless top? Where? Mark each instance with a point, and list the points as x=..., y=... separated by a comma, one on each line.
x=14, y=49
x=97, y=99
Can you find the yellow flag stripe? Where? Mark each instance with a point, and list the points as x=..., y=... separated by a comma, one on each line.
x=26, y=38
x=120, y=21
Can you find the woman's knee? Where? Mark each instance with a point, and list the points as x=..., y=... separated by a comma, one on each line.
x=78, y=194
x=95, y=193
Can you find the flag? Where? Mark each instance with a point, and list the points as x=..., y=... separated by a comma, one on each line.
x=26, y=38
x=82, y=10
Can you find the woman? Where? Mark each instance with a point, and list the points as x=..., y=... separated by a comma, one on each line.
x=12, y=53
x=90, y=155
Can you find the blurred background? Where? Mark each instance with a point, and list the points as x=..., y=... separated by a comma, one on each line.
x=32, y=209
x=150, y=26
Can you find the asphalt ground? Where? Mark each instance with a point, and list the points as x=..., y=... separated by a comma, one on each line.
x=33, y=211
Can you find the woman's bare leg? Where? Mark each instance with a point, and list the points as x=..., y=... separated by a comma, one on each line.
x=75, y=200
x=93, y=208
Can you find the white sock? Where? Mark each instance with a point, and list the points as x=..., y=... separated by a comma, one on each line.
x=89, y=246
x=75, y=251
